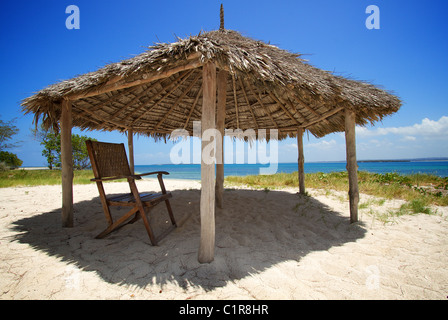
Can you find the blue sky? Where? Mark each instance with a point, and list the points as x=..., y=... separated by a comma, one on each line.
x=407, y=55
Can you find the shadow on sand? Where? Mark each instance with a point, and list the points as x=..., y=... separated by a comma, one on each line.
x=255, y=231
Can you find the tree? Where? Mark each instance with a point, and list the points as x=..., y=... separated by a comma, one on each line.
x=7, y=131
x=10, y=159
x=52, y=149
x=80, y=155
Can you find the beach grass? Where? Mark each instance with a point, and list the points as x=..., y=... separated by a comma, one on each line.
x=427, y=189
x=21, y=178
x=423, y=188
x=416, y=206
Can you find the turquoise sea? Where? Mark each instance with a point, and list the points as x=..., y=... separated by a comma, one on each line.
x=193, y=171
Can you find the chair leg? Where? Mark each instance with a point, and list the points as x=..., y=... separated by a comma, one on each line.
x=116, y=224
x=167, y=202
x=141, y=209
x=136, y=217
x=148, y=227
x=170, y=212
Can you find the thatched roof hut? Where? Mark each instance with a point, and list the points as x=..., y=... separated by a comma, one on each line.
x=160, y=90
x=219, y=76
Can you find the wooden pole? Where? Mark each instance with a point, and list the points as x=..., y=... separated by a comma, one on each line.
x=117, y=84
x=220, y=120
x=301, y=161
x=67, y=164
x=352, y=166
x=131, y=149
x=207, y=205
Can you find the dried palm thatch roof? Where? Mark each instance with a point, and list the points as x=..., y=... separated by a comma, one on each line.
x=160, y=90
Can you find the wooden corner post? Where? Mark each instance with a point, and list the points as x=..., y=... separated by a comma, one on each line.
x=352, y=166
x=301, y=161
x=131, y=150
x=220, y=123
x=207, y=205
x=67, y=164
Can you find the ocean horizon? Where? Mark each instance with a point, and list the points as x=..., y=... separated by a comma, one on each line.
x=405, y=167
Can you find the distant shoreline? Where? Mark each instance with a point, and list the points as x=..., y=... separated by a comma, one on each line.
x=363, y=161
x=442, y=159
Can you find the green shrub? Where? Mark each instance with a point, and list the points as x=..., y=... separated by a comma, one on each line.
x=10, y=159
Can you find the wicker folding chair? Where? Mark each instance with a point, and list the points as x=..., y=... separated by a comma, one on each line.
x=109, y=162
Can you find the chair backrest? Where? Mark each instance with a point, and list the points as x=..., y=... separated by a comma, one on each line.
x=108, y=159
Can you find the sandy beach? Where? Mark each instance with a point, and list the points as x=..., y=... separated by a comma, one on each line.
x=271, y=244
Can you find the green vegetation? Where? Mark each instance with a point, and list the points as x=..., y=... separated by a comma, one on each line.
x=7, y=159
x=22, y=178
x=51, y=143
x=19, y=178
x=415, y=206
x=419, y=190
x=427, y=189
x=7, y=131
x=10, y=159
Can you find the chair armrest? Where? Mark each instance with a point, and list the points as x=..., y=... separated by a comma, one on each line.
x=134, y=176
x=108, y=178
x=149, y=173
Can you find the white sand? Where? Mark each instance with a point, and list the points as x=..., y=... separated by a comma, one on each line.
x=269, y=245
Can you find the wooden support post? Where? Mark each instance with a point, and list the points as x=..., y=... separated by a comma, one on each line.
x=207, y=205
x=301, y=161
x=352, y=166
x=131, y=150
x=67, y=164
x=220, y=120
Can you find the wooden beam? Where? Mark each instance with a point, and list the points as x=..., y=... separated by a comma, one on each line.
x=175, y=82
x=193, y=106
x=220, y=120
x=176, y=103
x=248, y=104
x=67, y=164
x=135, y=99
x=107, y=101
x=301, y=161
x=131, y=149
x=262, y=104
x=291, y=106
x=285, y=101
x=145, y=129
x=236, y=102
x=309, y=124
x=98, y=117
x=161, y=99
x=273, y=96
x=352, y=166
x=207, y=205
x=323, y=117
x=87, y=117
x=305, y=105
x=118, y=85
